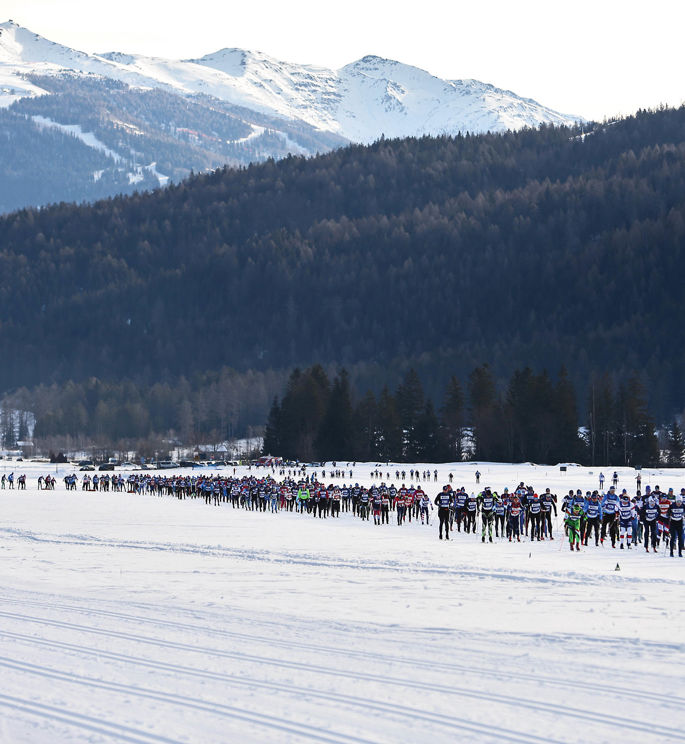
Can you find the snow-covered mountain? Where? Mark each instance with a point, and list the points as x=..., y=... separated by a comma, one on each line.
x=361, y=101
x=148, y=120
x=371, y=96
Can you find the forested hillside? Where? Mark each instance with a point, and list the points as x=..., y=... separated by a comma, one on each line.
x=539, y=248
x=135, y=140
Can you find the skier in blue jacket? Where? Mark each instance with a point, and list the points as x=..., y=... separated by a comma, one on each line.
x=593, y=516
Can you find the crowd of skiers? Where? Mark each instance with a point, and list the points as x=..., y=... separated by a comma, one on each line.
x=647, y=518
x=643, y=519
x=7, y=481
x=650, y=519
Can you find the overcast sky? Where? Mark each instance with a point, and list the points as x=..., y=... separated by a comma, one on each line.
x=593, y=58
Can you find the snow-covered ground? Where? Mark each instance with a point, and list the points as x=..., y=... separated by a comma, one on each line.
x=145, y=619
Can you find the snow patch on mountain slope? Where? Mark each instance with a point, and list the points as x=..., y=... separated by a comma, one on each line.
x=152, y=168
x=88, y=138
x=257, y=131
x=12, y=88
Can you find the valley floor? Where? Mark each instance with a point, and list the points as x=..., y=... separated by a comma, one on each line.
x=150, y=620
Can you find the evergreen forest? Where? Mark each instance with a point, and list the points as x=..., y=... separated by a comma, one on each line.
x=530, y=251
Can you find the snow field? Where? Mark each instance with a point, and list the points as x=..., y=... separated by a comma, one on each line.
x=144, y=619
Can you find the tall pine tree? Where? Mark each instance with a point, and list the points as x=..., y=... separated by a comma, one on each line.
x=601, y=419
x=486, y=419
x=366, y=429
x=676, y=445
x=410, y=401
x=427, y=441
x=568, y=445
x=272, y=442
x=390, y=438
x=335, y=440
x=639, y=443
x=452, y=422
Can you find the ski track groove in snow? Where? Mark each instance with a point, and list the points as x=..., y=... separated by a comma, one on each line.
x=215, y=708
x=88, y=723
x=253, y=639
x=444, y=720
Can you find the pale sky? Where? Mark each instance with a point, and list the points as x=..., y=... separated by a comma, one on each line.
x=596, y=58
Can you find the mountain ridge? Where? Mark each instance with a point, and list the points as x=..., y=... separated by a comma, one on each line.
x=149, y=120
x=318, y=95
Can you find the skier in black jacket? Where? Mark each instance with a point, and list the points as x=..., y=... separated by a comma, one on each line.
x=443, y=501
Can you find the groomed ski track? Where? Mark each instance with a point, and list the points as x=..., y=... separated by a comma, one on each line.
x=131, y=618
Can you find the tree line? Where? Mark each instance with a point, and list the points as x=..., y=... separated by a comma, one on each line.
x=126, y=415
x=318, y=414
x=534, y=418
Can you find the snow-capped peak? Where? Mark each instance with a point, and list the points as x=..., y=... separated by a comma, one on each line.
x=22, y=46
x=360, y=101
x=372, y=63
x=230, y=60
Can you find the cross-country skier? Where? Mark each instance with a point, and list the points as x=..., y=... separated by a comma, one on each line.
x=460, y=507
x=470, y=514
x=626, y=514
x=500, y=513
x=443, y=501
x=548, y=502
x=425, y=504
x=675, y=516
x=534, y=511
x=303, y=498
x=593, y=517
x=486, y=502
x=664, y=502
x=376, y=503
x=650, y=515
x=572, y=521
x=610, y=515
x=514, y=510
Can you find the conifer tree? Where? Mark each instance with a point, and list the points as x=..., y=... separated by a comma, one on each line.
x=390, y=428
x=410, y=401
x=452, y=421
x=676, y=445
x=366, y=429
x=568, y=446
x=7, y=429
x=486, y=430
x=302, y=410
x=272, y=443
x=335, y=438
x=426, y=436
x=601, y=420
x=638, y=432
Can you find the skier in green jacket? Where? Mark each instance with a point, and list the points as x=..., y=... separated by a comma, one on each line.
x=303, y=498
x=572, y=521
